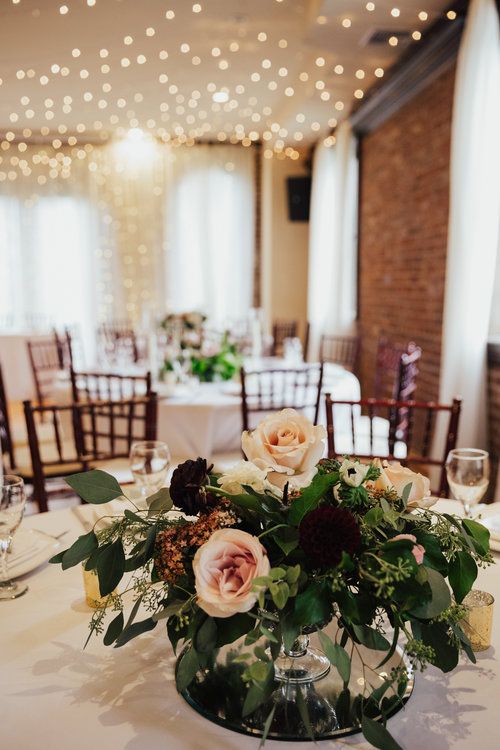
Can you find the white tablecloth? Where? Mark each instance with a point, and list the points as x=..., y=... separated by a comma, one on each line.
x=16, y=367
x=54, y=695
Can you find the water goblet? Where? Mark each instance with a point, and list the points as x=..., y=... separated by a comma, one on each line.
x=468, y=472
x=12, y=502
x=149, y=462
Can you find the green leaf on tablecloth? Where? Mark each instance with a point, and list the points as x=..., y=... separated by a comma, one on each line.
x=159, y=502
x=310, y=496
x=134, y=630
x=78, y=552
x=440, y=596
x=337, y=656
x=95, y=486
x=378, y=735
x=462, y=574
x=110, y=566
x=436, y=636
x=115, y=628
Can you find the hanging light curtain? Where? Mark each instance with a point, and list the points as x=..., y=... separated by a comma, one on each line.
x=209, y=231
x=473, y=221
x=332, y=239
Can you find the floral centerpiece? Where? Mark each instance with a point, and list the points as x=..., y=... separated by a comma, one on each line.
x=220, y=361
x=284, y=544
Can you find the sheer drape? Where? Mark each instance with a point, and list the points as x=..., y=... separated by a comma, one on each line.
x=210, y=231
x=474, y=220
x=332, y=239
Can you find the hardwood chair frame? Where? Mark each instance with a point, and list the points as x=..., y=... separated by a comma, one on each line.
x=283, y=329
x=393, y=408
x=108, y=386
x=273, y=387
x=342, y=350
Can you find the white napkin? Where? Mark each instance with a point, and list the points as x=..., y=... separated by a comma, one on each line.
x=88, y=515
x=491, y=519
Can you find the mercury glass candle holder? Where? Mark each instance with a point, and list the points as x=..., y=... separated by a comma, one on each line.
x=478, y=621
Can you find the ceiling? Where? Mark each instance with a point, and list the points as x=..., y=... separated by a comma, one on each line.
x=286, y=71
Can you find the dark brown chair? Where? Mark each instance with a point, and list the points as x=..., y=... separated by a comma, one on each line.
x=283, y=329
x=55, y=459
x=119, y=344
x=6, y=441
x=340, y=350
x=408, y=439
x=86, y=435
x=387, y=362
x=108, y=386
x=48, y=356
x=106, y=429
x=272, y=390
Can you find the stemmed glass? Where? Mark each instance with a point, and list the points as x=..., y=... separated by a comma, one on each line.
x=149, y=462
x=12, y=502
x=468, y=471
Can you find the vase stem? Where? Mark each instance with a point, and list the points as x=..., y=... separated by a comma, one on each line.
x=299, y=647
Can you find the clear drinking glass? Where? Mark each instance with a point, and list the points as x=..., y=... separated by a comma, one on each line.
x=12, y=502
x=149, y=462
x=468, y=471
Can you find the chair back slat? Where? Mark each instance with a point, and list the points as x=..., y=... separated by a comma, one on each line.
x=109, y=386
x=276, y=389
x=341, y=350
x=48, y=356
x=118, y=343
x=283, y=329
x=416, y=448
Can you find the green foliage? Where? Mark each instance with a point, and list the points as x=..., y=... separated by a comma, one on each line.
x=462, y=574
x=311, y=496
x=95, y=486
x=377, y=735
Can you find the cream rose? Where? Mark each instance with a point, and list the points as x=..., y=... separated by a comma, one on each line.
x=224, y=569
x=245, y=473
x=288, y=446
x=394, y=476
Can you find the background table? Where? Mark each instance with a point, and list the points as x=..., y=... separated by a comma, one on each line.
x=56, y=695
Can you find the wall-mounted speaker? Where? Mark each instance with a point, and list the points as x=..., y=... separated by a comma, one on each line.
x=299, y=198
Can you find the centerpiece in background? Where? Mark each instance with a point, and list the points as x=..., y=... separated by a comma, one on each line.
x=283, y=548
x=191, y=351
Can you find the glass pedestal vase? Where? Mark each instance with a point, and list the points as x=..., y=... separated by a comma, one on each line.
x=308, y=699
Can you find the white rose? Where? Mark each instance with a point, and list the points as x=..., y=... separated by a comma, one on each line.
x=397, y=477
x=288, y=446
x=353, y=472
x=244, y=473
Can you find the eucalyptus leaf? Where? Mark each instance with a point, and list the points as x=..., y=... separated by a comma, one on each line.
x=80, y=550
x=377, y=735
x=115, y=628
x=95, y=486
x=440, y=597
x=310, y=496
x=159, y=502
x=110, y=567
x=206, y=636
x=186, y=669
x=304, y=713
x=132, y=631
x=462, y=572
x=479, y=533
x=337, y=656
x=371, y=638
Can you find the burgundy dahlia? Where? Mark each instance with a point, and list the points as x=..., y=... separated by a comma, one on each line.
x=326, y=532
x=188, y=487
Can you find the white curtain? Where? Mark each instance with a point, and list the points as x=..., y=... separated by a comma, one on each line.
x=473, y=221
x=333, y=239
x=210, y=231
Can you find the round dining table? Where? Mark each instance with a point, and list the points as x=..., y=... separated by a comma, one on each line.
x=57, y=695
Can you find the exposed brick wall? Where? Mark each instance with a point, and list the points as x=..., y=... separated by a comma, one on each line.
x=404, y=181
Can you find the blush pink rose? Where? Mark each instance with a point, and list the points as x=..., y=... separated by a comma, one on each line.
x=224, y=569
x=418, y=551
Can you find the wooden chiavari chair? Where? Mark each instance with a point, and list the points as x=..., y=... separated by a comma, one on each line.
x=276, y=389
x=101, y=431
x=408, y=440
x=108, y=386
x=6, y=442
x=48, y=356
x=119, y=344
x=283, y=329
x=341, y=350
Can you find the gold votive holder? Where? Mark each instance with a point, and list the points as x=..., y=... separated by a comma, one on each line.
x=479, y=618
x=91, y=587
